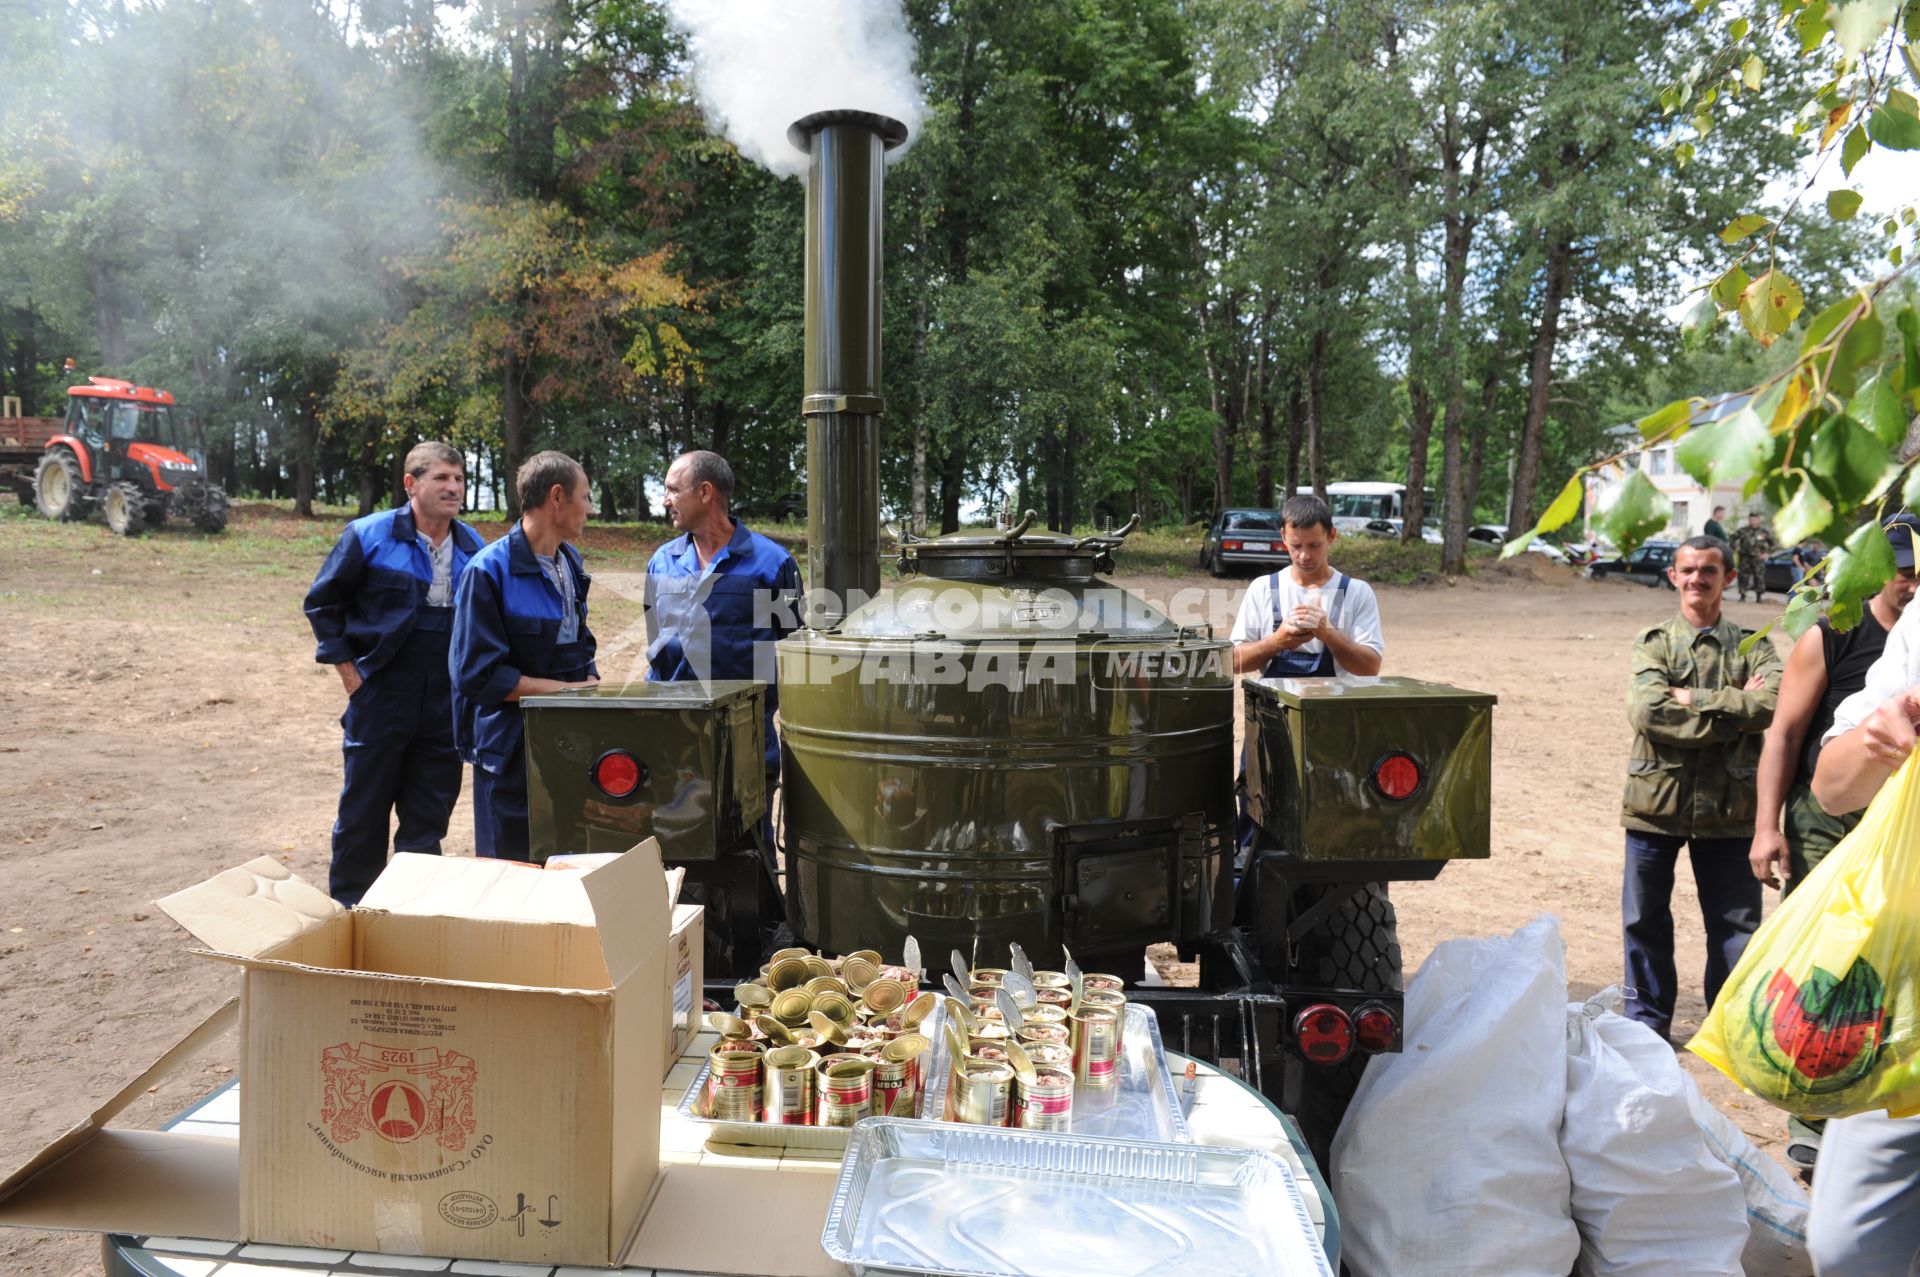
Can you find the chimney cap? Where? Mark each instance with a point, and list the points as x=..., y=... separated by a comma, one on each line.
x=891, y=131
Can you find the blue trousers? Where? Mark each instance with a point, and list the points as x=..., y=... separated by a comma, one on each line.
x=1729, y=905
x=397, y=739
x=500, y=812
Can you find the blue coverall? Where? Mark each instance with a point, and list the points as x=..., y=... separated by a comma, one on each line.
x=507, y=624
x=368, y=605
x=721, y=622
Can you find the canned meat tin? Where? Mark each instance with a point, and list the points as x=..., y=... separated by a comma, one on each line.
x=1095, y=1038
x=843, y=1090
x=733, y=1087
x=1053, y=1055
x=1112, y=983
x=896, y=1078
x=787, y=1087
x=981, y=1092
x=1052, y=1034
x=1045, y=1104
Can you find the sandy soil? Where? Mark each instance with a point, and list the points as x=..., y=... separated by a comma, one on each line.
x=167, y=721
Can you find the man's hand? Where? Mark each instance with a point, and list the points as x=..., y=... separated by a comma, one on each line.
x=1308, y=620
x=1681, y=695
x=1887, y=734
x=349, y=676
x=1768, y=857
x=1755, y=683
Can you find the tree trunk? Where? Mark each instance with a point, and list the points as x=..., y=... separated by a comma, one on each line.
x=1216, y=402
x=513, y=429
x=1263, y=451
x=306, y=438
x=1296, y=435
x=106, y=312
x=952, y=479
x=1316, y=393
x=1069, y=481
x=1526, y=465
x=917, y=498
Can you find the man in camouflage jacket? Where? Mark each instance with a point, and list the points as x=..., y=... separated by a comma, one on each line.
x=1698, y=709
x=1752, y=544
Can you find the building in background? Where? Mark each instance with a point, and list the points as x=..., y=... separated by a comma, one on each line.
x=1692, y=503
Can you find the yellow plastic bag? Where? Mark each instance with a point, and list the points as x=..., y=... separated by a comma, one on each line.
x=1819, y=1015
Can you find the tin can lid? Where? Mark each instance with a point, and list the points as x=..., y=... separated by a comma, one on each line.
x=728, y=1026
x=753, y=996
x=835, y=1006
x=817, y=965
x=858, y=972
x=791, y=1007
x=845, y=1066
x=792, y=1057
x=825, y=984
x=772, y=1028
x=905, y=1048
x=825, y=1029
x=792, y=952
x=788, y=973
x=882, y=996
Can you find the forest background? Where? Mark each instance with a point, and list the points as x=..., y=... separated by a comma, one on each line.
x=1142, y=255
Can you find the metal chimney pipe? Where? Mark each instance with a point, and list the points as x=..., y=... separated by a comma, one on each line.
x=842, y=402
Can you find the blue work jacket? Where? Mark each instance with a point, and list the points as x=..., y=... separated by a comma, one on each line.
x=506, y=623
x=370, y=590
x=721, y=622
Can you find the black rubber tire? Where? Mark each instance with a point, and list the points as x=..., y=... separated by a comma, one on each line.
x=58, y=489
x=125, y=508
x=1356, y=948
x=212, y=517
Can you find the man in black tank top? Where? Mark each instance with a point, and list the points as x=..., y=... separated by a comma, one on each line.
x=1792, y=832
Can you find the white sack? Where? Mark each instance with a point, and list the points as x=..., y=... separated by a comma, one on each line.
x=1649, y=1198
x=1448, y=1163
x=1776, y=1204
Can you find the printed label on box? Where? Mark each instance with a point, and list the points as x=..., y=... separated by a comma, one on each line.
x=398, y=1094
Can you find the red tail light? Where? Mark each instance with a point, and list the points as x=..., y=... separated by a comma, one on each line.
x=1229, y=545
x=1324, y=1033
x=1375, y=1029
x=618, y=773
x=1396, y=776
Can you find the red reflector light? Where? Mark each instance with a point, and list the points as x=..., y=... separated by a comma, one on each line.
x=617, y=774
x=1396, y=776
x=1375, y=1029
x=1324, y=1033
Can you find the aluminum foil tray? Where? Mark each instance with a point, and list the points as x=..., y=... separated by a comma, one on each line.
x=821, y=1139
x=1142, y=1105
x=977, y=1201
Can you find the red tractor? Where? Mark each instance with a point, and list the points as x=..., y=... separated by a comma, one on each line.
x=127, y=449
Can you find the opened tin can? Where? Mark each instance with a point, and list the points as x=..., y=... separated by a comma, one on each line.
x=979, y=1048
x=1052, y=1034
x=787, y=1086
x=843, y=1090
x=733, y=1084
x=1118, y=1002
x=1053, y=1055
x=1112, y=983
x=1062, y=998
x=991, y=977
x=896, y=1077
x=1044, y=1014
x=1051, y=980
x=1095, y=1037
x=1046, y=1103
x=981, y=1093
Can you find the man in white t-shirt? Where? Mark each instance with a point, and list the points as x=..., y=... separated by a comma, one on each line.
x=1307, y=620
x=1865, y=1219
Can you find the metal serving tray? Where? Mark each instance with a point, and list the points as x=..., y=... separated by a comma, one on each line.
x=1140, y=1106
x=979, y=1201
x=820, y=1139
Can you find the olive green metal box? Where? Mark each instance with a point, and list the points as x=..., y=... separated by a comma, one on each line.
x=682, y=762
x=1370, y=769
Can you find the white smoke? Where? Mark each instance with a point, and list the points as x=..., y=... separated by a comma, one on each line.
x=759, y=65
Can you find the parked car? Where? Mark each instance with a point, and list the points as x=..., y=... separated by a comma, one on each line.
x=1244, y=538
x=786, y=508
x=1781, y=573
x=1429, y=529
x=1647, y=565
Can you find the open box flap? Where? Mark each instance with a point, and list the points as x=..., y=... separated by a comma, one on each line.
x=250, y=909
x=789, y=1210
x=96, y=1180
x=629, y=898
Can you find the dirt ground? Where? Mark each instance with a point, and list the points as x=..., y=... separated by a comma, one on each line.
x=167, y=721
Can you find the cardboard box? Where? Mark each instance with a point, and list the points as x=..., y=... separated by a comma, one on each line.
x=517, y=1026
x=686, y=973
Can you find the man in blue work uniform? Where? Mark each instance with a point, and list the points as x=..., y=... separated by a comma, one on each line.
x=381, y=610
x=520, y=629
x=718, y=597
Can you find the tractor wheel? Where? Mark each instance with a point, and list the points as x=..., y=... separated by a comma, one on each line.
x=1357, y=947
x=211, y=514
x=125, y=510
x=58, y=488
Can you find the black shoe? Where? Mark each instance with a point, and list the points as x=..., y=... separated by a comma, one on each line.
x=1802, y=1154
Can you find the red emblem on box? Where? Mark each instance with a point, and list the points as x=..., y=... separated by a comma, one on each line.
x=398, y=1094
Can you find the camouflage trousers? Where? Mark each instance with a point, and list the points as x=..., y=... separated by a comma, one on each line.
x=1752, y=580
